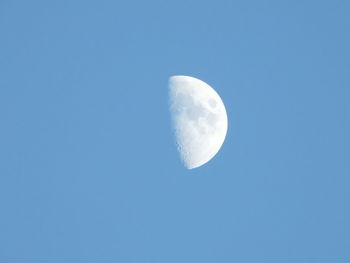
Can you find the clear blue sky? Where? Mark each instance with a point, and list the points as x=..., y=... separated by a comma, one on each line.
x=88, y=167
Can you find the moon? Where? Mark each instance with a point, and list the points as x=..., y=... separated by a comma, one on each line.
x=199, y=120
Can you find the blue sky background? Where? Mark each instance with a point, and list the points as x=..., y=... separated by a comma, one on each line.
x=88, y=167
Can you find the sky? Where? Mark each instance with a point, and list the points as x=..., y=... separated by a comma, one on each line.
x=89, y=170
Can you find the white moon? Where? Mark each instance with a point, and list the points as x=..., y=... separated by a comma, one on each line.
x=199, y=119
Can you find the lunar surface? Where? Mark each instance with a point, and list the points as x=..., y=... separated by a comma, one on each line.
x=199, y=119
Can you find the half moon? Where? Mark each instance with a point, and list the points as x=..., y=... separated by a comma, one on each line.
x=199, y=119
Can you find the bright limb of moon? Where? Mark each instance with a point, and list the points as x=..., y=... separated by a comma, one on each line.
x=199, y=119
